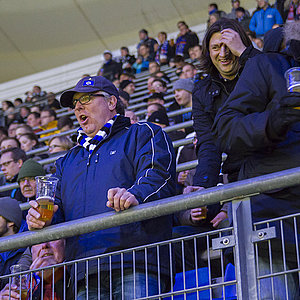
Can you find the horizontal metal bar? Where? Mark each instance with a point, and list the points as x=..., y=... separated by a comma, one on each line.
x=178, y=126
x=154, y=209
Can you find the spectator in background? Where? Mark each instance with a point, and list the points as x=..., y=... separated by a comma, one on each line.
x=213, y=18
x=64, y=123
x=126, y=60
x=48, y=121
x=185, y=40
x=34, y=120
x=140, y=65
x=257, y=43
x=127, y=86
x=35, y=108
x=125, y=98
x=156, y=98
x=159, y=86
x=24, y=112
x=242, y=18
x=146, y=40
x=152, y=107
x=3, y=133
x=163, y=76
x=52, y=101
x=264, y=19
x=110, y=69
x=189, y=71
x=259, y=119
x=18, y=102
x=132, y=116
x=153, y=67
x=179, y=63
x=59, y=144
x=164, y=51
x=236, y=4
x=144, y=52
x=292, y=10
x=159, y=118
x=10, y=224
x=9, y=142
x=37, y=92
x=29, y=141
x=126, y=76
x=11, y=161
x=22, y=129
x=195, y=53
x=12, y=128
x=149, y=83
x=183, y=89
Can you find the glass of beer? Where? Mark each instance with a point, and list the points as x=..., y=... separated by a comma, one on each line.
x=292, y=77
x=45, y=195
x=22, y=280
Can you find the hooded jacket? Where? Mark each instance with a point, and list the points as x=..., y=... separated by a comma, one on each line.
x=137, y=157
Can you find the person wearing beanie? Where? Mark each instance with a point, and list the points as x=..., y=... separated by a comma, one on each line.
x=10, y=224
x=127, y=86
x=159, y=118
x=26, y=178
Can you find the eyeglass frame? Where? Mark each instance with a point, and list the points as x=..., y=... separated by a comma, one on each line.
x=103, y=94
x=7, y=163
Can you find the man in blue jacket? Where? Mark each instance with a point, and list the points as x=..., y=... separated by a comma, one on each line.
x=264, y=18
x=115, y=166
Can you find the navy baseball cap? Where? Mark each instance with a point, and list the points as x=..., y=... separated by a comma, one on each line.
x=88, y=85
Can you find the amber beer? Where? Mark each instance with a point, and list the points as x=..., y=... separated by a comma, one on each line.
x=23, y=294
x=45, y=208
x=203, y=213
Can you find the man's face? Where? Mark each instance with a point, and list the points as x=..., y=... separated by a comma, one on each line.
x=188, y=71
x=28, y=187
x=236, y=4
x=107, y=56
x=183, y=98
x=93, y=115
x=53, y=249
x=197, y=52
x=158, y=87
x=24, y=112
x=153, y=67
x=225, y=62
x=183, y=29
x=36, y=90
x=149, y=83
x=20, y=131
x=12, y=130
x=8, y=144
x=151, y=108
x=142, y=36
x=144, y=51
x=9, y=167
x=3, y=227
x=46, y=118
x=50, y=97
x=32, y=121
x=261, y=3
x=130, y=88
x=123, y=52
x=161, y=38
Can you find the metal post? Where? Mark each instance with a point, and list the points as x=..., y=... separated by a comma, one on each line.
x=244, y=250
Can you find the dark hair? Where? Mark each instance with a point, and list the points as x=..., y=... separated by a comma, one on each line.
x=25, y=107
x=188, y=64
x=9, y=103
x=15, y=227
x=159, y=106
x=64, y=121
x=3, y=130
x=11, y=138
x=125, y=48
x=120, y=108
x=50, y=111
x=163, y=33
x=182, y=23
x=19, y=100
x=163, y=82
x=16, y=153
x=178, y=58
x=241, y=9
x=31, y=136
x=206, y=64
x=143, y=31
x=36, y=114
x=215, y=5
x=146, y=45
x=199, y=46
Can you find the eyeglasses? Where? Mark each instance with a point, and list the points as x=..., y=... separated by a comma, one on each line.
x=27, y=178
x=86, y=98
x=6, y=164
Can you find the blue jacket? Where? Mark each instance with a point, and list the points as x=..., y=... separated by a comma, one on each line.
x=137, y=157
x=263, y=20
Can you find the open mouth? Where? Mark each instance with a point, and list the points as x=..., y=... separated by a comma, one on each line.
x=226, y=61
x=83, y=119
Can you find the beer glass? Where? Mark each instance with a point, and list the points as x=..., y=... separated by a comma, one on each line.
x=292, y=77
x=45, y=195
x=21, y=281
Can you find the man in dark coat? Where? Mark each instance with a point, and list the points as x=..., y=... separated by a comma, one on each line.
x=110, y=69
x=259, y=119
x=116, y=165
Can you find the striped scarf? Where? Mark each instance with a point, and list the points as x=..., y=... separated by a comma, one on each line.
x=91, y=143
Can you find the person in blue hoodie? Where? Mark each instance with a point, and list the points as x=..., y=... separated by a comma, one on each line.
x=115, y=165
x=264, y=18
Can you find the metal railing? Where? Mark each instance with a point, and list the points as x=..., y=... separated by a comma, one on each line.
x=246, y=281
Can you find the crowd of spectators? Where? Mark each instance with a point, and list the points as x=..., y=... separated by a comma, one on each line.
x=233, y=92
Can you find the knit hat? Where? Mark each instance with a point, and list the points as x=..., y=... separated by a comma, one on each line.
x=30, y=168
x=159, y=117
x=124, y=95
x=10, y=210
x=124, y=83
x=184, y=84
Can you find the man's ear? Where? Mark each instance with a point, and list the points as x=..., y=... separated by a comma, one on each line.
x=112, y=103
x=10, y=224
x=20, y=162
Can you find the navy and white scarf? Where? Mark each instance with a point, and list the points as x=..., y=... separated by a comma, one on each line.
x=91, y=143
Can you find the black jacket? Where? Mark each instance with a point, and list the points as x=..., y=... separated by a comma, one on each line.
x=241, y=127
x=208, y=96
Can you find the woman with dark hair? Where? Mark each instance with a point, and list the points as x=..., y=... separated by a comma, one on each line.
x=226, y=48
x=29, y=141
